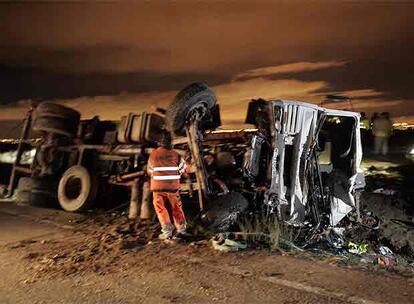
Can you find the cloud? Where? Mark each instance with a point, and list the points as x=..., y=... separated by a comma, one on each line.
x=233, y=95
x=290, y=68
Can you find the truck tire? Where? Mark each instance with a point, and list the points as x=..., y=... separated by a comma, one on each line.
x=24, y=184
x=195, y=96
x=43, y=192
x=23, y=191
x=56, y=125
x=224, y=211
x=23, y=198
x=42, y=199
x=77, y=189
x=47, y=109
x=43, y=184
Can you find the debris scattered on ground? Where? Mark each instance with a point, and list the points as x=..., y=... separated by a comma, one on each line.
x=386, y=257
x=384, y=250
x=227, y=242
x=385, y=191
x=357, y=248
x=96, y=247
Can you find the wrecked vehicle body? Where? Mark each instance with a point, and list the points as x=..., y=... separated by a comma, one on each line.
x=315, y=163
x=300, y=161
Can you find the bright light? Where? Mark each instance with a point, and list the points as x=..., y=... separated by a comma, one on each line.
x=412, y=151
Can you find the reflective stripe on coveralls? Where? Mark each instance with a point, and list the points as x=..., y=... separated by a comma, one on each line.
x=165, y=167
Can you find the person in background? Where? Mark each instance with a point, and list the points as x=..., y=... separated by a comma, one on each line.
x=364, y=122
x=373, y=118
x=382, y=130
x=365, y=126
x=165, y=167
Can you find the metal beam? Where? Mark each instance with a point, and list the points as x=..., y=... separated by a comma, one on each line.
x=23, y=138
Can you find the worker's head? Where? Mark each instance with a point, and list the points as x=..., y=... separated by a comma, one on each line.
x=166, y=140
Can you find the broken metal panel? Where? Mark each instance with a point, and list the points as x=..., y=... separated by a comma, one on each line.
x=342, y=201
x=276, y=195
x=297, y=128
x=252, y=164
x=306, y=127
x=357, y=180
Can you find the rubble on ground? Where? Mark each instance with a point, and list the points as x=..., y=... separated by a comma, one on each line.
x=396, y=210
x=97, y=246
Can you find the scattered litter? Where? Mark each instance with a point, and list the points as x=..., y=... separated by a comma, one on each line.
x=386, y=257
x=384, y=250
x=386, y=261
x=339, y=230
x=385, y=191
x=357, y=248
x=223, y=243
x=370, y=220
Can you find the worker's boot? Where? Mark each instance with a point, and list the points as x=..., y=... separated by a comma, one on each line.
x=166, y=232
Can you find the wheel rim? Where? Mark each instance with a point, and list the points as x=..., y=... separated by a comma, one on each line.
x=73, y=188
x=198, y=111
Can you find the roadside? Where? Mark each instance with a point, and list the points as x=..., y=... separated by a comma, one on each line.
x=61, y=261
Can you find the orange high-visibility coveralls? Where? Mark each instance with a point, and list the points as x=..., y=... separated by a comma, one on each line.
x=165, y=167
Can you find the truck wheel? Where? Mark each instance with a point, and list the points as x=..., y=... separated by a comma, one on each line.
x=24, y=184
x=195, y=97
x=56, y=125
x=46, y=109
x=77, y=189
x=23, y=191
x=224, y=211
x=43, y=199
x=43, y=192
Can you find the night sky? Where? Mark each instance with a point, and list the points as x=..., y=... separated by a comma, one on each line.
x=113, y=58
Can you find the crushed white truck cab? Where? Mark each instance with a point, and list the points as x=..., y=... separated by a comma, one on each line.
x=315, y=163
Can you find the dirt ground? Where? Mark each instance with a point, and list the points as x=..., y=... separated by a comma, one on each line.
x=48, y=256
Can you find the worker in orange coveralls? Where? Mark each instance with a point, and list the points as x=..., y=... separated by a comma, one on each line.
x=165, y=167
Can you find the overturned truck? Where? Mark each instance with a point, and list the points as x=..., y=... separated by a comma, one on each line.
x=300, y=162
